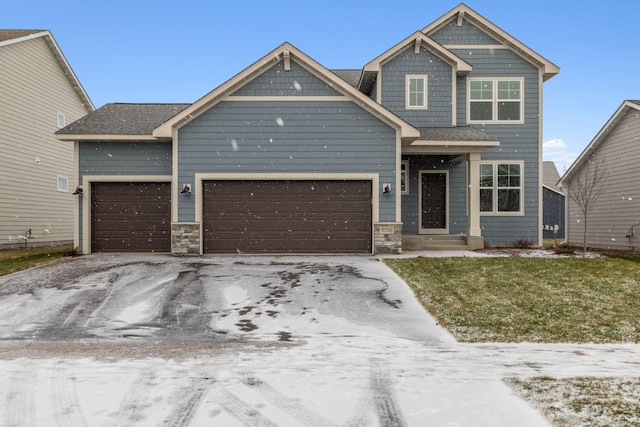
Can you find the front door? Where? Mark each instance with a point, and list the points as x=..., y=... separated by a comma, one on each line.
x=433, y=202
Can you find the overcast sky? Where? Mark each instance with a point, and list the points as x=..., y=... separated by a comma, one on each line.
x=161, y=51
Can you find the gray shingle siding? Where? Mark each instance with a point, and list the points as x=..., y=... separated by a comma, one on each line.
x=467, y=34
x=278, y=82
x=457, y=193
x=439, y=89
x=287, y=137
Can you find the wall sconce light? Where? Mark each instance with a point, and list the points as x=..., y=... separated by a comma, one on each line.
x=386, y=188
x=78, y=191
x=186, y=189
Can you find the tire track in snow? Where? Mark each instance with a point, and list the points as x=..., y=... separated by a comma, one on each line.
x=135, y=401
x=291, y=406
x=241, y=410
x=19, y=403
x=189, y=398
x=361, y=416
x=385, y=402
x=65, y=399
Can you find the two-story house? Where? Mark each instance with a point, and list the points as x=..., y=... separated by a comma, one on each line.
x=437, y=137
x=39, y=94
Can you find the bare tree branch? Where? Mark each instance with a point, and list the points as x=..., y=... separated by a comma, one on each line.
x=585, y=187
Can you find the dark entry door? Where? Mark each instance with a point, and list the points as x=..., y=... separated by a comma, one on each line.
x=434, y=201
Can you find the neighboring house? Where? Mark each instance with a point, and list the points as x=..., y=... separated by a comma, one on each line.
x=553, y=203
x=614, y=221
x=437, y=139
x=39, y=94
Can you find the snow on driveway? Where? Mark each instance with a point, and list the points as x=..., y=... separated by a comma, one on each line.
x=153, y=340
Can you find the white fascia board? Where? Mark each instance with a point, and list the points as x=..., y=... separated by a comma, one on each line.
x=430, y=143
x=90, y=137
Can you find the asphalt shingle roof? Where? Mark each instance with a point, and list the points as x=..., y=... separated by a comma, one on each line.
x=14, y=34
x=460, y=133
x=350, y=76
x=123, y=119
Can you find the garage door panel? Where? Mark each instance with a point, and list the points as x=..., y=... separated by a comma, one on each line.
x=131, y=217
x=287, y=216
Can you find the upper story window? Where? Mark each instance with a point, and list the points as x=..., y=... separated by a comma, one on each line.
x=416, y=97
x=501, y=188
x=60, y=120
x=63, y=183
x=495, y=100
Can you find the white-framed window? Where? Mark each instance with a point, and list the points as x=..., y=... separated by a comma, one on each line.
x=404, y=177
x=416, y=92
x=60, y=120
x=63, y=183
x=501, y=188
x=499, y=100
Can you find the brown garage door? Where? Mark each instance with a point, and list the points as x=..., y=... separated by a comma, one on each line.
x=130, y=217
x=287, y=216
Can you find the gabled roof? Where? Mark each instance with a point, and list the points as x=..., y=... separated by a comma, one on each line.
x=550, y=175
x=417, y=39
x=462, y=11
x=118, y=121
x=286, y=52
x=624, y=108
x=9, y=37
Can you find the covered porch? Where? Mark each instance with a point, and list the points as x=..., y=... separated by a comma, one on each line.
x=440, y=187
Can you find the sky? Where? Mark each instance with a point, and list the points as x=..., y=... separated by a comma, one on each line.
x=161, y=51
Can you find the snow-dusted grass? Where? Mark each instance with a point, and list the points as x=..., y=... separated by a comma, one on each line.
x=529, y=299
x=540, y=297
x=583, y=401
x=22, y=259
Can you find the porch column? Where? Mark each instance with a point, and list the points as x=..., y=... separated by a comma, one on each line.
x=474, y=195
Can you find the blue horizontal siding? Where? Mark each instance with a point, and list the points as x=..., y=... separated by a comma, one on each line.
x=124, y=158
x=286, y=137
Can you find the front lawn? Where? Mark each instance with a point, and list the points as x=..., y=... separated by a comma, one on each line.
x=21, y=259
x=517, y=299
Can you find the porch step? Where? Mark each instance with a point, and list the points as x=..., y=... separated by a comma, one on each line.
x=435, y=242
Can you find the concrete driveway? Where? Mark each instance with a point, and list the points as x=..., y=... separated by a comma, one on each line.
x=311, y=341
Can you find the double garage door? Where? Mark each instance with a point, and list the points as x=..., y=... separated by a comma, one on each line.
x=287, y=216
x=238, y=217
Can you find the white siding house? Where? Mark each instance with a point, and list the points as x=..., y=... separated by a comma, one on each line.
x=39, y=94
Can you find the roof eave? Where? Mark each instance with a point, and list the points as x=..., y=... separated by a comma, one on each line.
x=266, y=62
x=461, y=66
x=106, y=137
x=600, y=136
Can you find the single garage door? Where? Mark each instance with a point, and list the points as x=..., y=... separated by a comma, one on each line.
x=130, y=217
x=287, y=216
